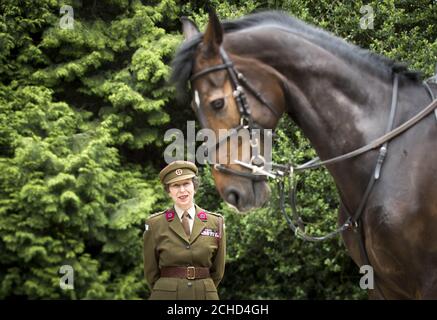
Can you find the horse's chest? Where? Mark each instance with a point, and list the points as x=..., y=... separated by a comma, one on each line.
x=401, y=243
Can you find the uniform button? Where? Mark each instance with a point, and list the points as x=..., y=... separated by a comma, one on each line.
x=189, y=284
x=188, y=247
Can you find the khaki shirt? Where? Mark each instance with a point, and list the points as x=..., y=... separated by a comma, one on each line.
x=167, y=245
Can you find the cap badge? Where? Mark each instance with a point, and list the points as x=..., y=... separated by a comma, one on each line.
x=178, y=172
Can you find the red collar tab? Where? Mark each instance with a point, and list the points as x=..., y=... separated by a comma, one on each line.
x=202, y=216
x=169, y=215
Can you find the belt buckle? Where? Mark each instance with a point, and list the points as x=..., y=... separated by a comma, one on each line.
x=191, y=273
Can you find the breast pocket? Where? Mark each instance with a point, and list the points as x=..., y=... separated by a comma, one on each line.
x=165, y=289
x=210, y=290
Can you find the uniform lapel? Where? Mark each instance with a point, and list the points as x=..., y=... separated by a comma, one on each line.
x=176, y=226
x=198, y=225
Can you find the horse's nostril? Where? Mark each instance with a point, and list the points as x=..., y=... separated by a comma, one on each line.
x=231, y=197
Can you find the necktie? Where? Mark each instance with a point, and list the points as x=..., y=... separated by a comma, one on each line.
x=185, y=223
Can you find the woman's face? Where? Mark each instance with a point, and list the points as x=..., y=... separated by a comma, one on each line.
x=182, y=192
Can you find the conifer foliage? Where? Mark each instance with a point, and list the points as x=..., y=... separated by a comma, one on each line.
x=71, y=100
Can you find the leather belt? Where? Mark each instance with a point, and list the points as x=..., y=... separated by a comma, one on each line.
x=189, y=273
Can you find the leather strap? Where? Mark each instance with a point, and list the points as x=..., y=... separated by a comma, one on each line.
x=190, y=273
x=375, y=143
x=431, y=94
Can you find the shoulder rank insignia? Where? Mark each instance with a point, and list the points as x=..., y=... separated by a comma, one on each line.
x=202, y=216
x=169, y=215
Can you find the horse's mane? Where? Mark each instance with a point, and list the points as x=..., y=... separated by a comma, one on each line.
x=183, y=61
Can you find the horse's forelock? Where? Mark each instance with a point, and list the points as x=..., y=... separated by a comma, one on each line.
x=182, y=66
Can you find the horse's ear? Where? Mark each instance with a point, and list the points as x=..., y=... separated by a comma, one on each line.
x=213, y=36
x=189, y=28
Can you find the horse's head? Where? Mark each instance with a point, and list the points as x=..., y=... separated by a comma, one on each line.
x=219, y=76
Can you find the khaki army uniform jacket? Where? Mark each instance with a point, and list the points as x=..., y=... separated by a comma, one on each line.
x=167, y=245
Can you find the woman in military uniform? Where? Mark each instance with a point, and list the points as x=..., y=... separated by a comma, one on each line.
x=185, y=245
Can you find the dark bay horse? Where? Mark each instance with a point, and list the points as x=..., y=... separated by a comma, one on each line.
x=340, y=96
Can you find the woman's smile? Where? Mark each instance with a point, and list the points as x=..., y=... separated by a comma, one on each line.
x=183, y=198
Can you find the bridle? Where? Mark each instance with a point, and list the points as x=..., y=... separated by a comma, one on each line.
x=239, y=84
x=284, y=172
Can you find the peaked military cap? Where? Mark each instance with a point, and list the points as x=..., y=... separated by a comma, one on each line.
x=178, y=170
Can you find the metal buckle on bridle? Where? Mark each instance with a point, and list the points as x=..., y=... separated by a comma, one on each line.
x=238, y=91
x=256, y=159
x=245, y=122
x=255, y=169
x=257, y=162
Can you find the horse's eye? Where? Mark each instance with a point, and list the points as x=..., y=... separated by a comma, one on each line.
x=217, y=103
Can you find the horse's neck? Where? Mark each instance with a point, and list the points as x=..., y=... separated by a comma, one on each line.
x=340, y=112
x=341, y=117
